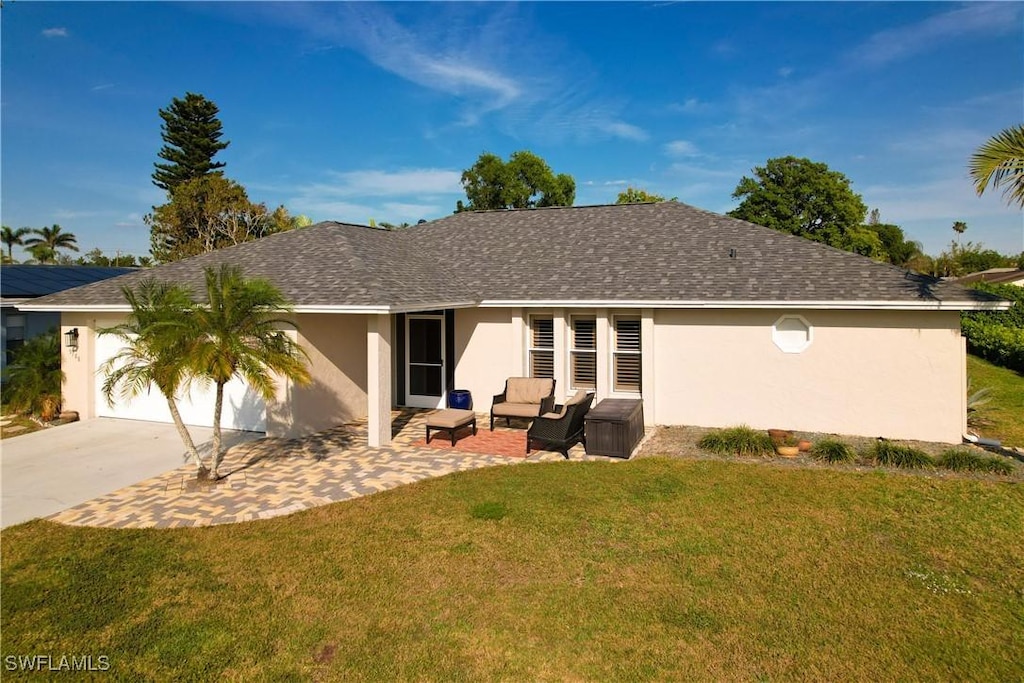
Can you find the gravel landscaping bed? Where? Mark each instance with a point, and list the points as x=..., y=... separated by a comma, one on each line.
x=681, y=442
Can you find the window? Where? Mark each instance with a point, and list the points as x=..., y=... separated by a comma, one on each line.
x=15, y=335
x=791, y=333
x=583, y=353
x=542, y=347
x=626, y=365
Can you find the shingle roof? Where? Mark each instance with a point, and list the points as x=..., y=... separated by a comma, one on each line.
x=664, y=252
x=993, y=275
x=25, y=281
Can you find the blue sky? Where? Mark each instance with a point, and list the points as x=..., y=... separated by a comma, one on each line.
x=357, y=111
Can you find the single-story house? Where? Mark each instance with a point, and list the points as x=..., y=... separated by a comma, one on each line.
x=20, y=284
x=710, y=320
x=995, y=276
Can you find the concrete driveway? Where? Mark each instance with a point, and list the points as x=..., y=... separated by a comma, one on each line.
x=51, y=470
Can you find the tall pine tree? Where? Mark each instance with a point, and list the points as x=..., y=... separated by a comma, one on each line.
x=191, y=131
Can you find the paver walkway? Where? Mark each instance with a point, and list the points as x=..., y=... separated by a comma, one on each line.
x=272, y=477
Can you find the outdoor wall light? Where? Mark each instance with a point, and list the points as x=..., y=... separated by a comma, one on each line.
x=71, y=339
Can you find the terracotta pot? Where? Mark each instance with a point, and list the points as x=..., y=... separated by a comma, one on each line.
x=779, y=435
x=804, y=445
x=787, y=451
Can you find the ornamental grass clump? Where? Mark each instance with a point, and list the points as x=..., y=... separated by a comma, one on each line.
x=833, y=450
x=740, y=440
x=964, y=460
x=898, y=455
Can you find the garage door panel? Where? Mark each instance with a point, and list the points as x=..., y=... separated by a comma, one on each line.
x=243, y=408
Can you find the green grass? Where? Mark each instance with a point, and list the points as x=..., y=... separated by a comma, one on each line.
x=1005, y=409
x=741, y=440
x=964, y=460
x=654, y=569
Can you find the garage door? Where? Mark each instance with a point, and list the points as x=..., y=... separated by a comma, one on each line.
x=243, y=408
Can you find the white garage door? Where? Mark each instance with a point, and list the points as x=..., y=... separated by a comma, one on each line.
x=243, y=408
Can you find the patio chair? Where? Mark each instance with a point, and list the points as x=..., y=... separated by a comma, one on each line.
x=523, y=397
x=561, y=430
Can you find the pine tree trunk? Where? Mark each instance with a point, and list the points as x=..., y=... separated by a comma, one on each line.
x=186, y=437
x=216, y=430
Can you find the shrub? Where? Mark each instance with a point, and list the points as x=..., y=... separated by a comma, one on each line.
x=964, y=460
x=832, y=450
x=898, y=455
x=34, y=377
x=997, y=336
x=740, y=440
x=998, y=344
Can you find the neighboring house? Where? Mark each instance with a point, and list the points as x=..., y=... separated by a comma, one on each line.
x=22, y=284
x=710, y=320
x=995, y=276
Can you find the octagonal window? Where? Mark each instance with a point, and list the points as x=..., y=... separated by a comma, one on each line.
x=791, y=333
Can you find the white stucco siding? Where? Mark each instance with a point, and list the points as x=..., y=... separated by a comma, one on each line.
x=488, y=350
x=337, y=360
x=895, y=374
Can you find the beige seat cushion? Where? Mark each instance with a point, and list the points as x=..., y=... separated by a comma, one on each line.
x=528, y=389
x=516, y=409
x=450, y=419
x=579, y=397
x=553, y=416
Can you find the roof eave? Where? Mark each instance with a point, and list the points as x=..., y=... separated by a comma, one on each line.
x=736, y=304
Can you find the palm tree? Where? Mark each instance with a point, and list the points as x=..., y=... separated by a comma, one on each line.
x=49, y=240
x=1000, y=161
x=157, y=339
x=241, y=336
x=959, y=227
x=34, y=377
x=11, y=238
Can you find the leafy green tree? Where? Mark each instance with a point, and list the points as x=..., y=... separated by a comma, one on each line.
x=34, y=377
x=209, y=213
x=800, y=197
x=963, y=259
x=96, y=257
x=1000, y=162
x=13, y=238
x=241, y=336
x=191, y=132
x=46, y=243
x=524, y=181
x=157, y=339
x=633, y=195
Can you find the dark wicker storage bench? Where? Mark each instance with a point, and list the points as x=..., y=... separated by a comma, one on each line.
x=614, y=427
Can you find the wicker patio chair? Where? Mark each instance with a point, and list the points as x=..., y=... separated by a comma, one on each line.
x=560, y=433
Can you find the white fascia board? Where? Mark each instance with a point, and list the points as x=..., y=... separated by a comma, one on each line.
x=341, y=309
x=75, y=308
x=434, y=307
x=814, y=305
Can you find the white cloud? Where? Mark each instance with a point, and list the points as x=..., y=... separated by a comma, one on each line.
x=976, y=19
x=417, y=182
x=626, y=131
x=55, y=32
x=691, y=105
x=785, y=72
x=681, y=148
x=102, y=86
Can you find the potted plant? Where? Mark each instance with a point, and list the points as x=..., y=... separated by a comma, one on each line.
x=788, y=447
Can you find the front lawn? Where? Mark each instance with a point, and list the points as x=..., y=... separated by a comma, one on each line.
x=654, y=569
x=1005, y=409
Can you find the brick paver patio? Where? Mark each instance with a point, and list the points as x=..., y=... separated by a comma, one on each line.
x=272, y=477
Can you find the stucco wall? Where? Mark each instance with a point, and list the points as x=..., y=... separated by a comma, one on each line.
x=486, y=353
x=336, y=345
x=896, y=374
x=80, y=366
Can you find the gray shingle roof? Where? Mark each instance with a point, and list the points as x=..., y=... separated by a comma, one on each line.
x=665, y=252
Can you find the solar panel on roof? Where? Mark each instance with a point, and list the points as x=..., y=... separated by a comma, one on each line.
x=22, y=281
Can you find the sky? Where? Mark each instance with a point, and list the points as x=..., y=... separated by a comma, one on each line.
x=360, y=111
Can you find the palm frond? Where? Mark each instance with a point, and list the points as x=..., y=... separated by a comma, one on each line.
x=1000, y=162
